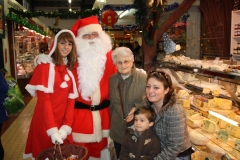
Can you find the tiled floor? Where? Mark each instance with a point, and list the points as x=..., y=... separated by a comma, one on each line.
x=14, y=138
x=15, y=132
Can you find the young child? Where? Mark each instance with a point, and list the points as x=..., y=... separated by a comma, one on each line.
x=141, y=143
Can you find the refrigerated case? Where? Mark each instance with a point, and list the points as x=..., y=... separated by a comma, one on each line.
x=224, y=139
x=24, y=46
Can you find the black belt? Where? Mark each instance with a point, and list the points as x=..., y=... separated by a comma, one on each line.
x=186, y=152
x=103, y=105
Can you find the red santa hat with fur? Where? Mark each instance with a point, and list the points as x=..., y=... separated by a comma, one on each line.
x=86, y=25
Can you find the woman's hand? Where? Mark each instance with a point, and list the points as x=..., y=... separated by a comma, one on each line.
x=130, y=115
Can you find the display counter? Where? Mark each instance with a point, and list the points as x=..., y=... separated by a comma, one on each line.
x=211, y=102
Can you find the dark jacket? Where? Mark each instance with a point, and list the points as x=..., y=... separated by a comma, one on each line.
x=144, y=147
x=3, y=94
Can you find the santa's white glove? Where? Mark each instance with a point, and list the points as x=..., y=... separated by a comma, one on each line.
x=56, y=137
x=64, y=131
x=42, y=58
x=141, y=70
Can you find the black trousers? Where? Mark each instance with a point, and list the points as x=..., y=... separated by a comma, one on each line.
x=117, y=147
x=1, y=147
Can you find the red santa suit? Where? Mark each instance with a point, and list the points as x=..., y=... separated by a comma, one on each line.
x=92, y=115
x=56, y=90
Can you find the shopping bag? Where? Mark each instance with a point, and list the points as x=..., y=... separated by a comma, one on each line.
x=64, y=152
x=14, y=101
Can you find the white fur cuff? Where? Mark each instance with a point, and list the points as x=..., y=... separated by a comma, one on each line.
x=66, y=128
x=52, y=130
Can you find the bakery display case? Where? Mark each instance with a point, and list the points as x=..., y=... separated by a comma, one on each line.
x=210, y=97
x=26, y=48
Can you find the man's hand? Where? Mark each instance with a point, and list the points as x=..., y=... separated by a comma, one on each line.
x=141, y=70
x=42, y=58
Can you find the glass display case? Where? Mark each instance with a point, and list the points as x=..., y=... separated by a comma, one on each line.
x=211, y=101
x=26, y=49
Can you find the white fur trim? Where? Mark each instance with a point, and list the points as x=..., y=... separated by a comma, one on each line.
x=66, y=77
x=56, y=37
x=96, y=97
x=49, y=89
x=89, y=29
x=105, y=133
x=93, y=158
x=52, y=130
x=97, y=125
x=29, y=155
x=97, y=133
x=66, y=128
x=64, y=85
x=75, y=92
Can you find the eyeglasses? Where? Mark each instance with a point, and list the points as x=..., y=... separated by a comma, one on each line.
x=124, y=62
x=162, y=74
x=90, y=35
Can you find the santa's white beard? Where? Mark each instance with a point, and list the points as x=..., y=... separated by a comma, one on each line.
x=91, y=59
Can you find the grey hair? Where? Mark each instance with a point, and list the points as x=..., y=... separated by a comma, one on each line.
x=123, y=51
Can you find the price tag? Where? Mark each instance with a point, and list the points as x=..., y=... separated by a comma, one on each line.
x=206, y=124
x=185, y=76
x=223, y=135
x=209, y=126
x=215, y=93
x=206, y=90
x=237, y=144
x=231, y=115
x=213, y=118
x=198, y=103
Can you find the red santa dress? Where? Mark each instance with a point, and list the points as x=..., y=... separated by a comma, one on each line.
x=56, y=90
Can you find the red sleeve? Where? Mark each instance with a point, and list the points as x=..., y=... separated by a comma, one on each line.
x=46, y=109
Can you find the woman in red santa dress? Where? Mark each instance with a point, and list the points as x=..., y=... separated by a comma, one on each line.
x=55, y=87
x=92, y=115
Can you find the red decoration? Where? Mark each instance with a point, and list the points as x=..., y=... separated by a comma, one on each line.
x=109, y=17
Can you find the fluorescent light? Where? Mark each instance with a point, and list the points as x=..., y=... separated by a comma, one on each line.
x=223, y=118
x=69, y=1
x=123, y=13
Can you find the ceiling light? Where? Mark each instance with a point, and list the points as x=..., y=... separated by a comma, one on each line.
x=123, y=13
x=223, y=118
x=70, y=9
x=69, y=1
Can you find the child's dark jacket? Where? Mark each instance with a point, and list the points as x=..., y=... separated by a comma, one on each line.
x=145, y=148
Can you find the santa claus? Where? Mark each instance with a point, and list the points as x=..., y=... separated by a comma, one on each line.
x=93, y=70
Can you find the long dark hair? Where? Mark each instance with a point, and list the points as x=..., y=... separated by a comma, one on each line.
x=72, y=57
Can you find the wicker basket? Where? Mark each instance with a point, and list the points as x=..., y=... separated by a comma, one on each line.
x=64, y=151
x=200, y=155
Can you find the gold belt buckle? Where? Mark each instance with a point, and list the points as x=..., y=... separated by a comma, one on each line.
x=92, y=107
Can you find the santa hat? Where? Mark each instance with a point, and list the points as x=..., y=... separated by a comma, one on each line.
x=86, y=25
x=54, y=44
